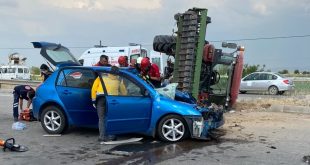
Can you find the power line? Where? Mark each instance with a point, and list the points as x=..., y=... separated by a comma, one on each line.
x=265, y=38
x=149, y=44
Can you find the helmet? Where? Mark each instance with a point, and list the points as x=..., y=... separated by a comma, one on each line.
x=122, y=60
x=145, y=63
x=139, y=59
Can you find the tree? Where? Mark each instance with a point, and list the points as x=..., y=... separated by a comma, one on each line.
x=296, y=71
x=247, y=69
x=35, y=70
x=284, y=71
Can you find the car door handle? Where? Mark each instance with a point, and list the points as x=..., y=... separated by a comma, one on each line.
x=66, y=92
x=114, y=102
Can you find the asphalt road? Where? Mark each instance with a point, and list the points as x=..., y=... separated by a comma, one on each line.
x=246, y=138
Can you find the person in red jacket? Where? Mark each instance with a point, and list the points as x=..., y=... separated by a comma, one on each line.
x=151, y=72
x=104, y=61
x=123, y=61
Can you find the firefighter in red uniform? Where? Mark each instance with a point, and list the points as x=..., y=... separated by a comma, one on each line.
x=151, y=72
x=123, y=61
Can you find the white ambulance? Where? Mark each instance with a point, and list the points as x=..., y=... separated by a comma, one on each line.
x=91, y=56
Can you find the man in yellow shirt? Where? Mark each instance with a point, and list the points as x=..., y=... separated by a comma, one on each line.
x=114, y=87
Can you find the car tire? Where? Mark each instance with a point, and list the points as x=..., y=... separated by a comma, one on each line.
x=242, y=92
x=273, y=90
x=53, y=120
x=172, y=128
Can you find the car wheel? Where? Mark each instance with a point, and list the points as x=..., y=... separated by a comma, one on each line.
x=172, y=128
x=273, y=90
x=242, y=92
x=281, y=92
x=53, y=120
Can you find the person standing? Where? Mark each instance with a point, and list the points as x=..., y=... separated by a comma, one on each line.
x=45, y=71
x=21, y=93
x=114, y=87
x=103, y=61
x=150, y=72
x=123, y=61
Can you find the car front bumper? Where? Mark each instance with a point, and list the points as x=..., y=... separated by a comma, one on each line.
x=200, y=126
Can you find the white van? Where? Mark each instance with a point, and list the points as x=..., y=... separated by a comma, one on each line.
x=91, y=56
x=9, y=72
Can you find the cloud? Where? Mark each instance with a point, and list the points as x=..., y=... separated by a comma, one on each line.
x=106, y=5
x=261, y=8
x=8, y=3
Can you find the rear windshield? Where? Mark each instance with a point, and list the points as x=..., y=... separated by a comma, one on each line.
x=60, y=56
x=280, y=75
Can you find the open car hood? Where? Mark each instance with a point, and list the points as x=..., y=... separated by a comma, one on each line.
x=56, y=54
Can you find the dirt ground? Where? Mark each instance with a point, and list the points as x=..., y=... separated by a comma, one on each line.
x=251, y=137
x=263, y=102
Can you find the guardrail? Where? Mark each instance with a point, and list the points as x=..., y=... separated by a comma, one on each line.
x=10, y=84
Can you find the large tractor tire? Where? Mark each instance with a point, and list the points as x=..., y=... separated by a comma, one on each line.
x=165, y=44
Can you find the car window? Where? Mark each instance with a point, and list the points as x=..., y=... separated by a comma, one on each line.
x=274, y=77
x=253, y=76
x=263, y=76
x=279, y=75
x=120, y=85
x=78, y=78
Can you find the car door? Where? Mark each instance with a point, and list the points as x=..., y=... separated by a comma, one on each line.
x=248, y=83
x=128, y=110
x=74, y=90
x=263, y=81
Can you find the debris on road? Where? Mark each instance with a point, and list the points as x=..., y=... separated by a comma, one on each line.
x=52, y=135
x=272, y=147
x=306, y=159
x=131, y=140
x=12, y=146
x=18, y=126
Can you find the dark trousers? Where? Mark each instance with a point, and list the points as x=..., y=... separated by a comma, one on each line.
x=101, y=110
x=15, y=106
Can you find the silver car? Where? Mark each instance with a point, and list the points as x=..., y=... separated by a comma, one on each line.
x=274, y=83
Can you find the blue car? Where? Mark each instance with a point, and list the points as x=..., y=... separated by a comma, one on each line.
x=64, y=100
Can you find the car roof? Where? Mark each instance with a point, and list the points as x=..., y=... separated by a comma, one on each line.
x=266, y=72
x=101, y=68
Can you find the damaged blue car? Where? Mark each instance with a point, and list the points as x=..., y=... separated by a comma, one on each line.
x=64, y=100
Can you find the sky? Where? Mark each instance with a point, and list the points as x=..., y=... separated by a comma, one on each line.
x=81, y=24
